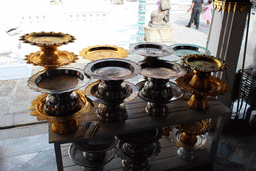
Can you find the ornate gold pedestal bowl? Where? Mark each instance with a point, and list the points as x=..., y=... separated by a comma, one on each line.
x=200, y=83
x=103, y=51
x=190, y=138
x=49, y=56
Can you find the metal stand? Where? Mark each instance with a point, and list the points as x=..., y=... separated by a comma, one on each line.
x=93, y=154
x=137, y=149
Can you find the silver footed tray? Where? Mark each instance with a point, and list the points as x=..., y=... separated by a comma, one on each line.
x=176, y=93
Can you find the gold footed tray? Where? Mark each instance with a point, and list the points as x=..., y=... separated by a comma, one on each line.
x=200, y=83
x=64, y=58
x=203, y=63
x=190, y=137
x=199, y=98
x=49, y=56
x=93, y=53
x=188, y=132
x=60, y=125
x=44, y=39
x=196, y=127
x=217, y=86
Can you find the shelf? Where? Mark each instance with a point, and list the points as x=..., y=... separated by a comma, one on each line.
x=138, y=120
x=166, y=160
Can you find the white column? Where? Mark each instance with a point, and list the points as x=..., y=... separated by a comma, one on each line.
x=225, y=37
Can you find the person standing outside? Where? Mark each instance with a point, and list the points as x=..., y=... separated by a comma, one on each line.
x=208, y=13
x=197, y=8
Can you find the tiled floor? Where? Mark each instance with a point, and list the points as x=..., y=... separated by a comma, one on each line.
x=21, y=153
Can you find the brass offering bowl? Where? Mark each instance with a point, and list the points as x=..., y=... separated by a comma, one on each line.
x=189, y=137
x=111, y=90
x=157, y=89
x=93, y=53
x=49, y=56
x=200, y=83
x=60, y=125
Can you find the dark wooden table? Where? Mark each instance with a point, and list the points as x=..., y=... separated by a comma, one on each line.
x=139, y=120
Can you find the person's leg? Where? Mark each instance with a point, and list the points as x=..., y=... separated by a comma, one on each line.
x=191, y=18
x=197, y=16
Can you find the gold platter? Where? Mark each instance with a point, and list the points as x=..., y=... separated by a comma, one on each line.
x=190, y=130
x=64, y=58
x=47, y=38
x=49, y=56
x=217, y=86
x=196, y=128
x=204, y=63
x=103, y=51
x=60, y=125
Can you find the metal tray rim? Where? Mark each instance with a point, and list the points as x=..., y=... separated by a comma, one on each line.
x=32, y=81
x=206, y=51
x=88, y=69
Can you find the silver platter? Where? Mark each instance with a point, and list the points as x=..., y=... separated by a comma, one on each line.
x=58, y=80
x=188, y=49
x=150, y=49
x=112, y=69
x=161, y=69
